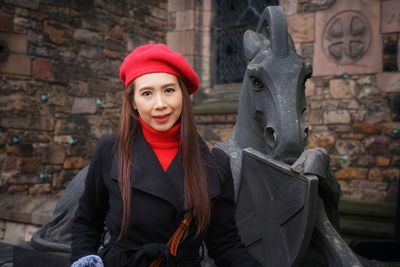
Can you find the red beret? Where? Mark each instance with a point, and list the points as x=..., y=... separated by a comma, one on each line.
x=151, y=58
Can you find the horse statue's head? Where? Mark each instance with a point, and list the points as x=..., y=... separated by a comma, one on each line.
x=272, y=98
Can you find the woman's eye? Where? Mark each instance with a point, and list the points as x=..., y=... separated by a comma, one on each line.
x=169, y=90
x=146, y=93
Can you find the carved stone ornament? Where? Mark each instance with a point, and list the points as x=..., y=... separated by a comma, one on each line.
x=347, y=37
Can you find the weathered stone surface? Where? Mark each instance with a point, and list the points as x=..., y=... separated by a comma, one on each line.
x=390, y=21
x=53, y=154
x=377, y=145
x=342, y=89
x=337, y=117
x=335, y=30
x=323, y=139
x=351, y=173
x=301, y=27
x=40, y=189
x=349, y=147
x=6, y=22
x=391, y=174
x=56, y=32
x=87, y=37
x=367, y=128
x=30, y=165
x=315, y=5
x=17, y=188
x=365, y=161
x=16, y=43
x=117, y=32
x=23, y=150
x=90, y=52
x=368, y=93
x=17, y=65
x=42, y=69
x=84, y=106
x=75, y=163
x=14, y=233
x=388, y=81
x=289, y=7
x=35, y=123
x=31, y=4
x=310, y=88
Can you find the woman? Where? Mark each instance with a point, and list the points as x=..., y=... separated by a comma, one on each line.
x=156, y=186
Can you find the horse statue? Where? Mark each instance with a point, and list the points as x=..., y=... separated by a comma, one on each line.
x=270, y=126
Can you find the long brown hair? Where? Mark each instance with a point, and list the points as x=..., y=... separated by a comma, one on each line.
x=195, y=181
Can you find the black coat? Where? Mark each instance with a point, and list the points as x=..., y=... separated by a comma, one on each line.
x=157, y=210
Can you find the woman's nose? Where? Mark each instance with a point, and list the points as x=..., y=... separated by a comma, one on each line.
x=160, y=102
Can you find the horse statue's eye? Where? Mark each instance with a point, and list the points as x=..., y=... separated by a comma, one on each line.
x=257, y=83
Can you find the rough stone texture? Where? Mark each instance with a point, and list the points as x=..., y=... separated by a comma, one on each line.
x=332, y=45
x=301, y=27
x=390, y=21
x=342, y=89
x=59, y=86
x=289, y=7
x=315, y=5
x=388, y=82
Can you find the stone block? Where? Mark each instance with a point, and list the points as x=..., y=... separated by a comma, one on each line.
x=337, y=117
x=42, y=69
x=84, y=105
x=321, y=139
x=182, y=42
x=53, y=154
x=377, y=145
x=342, y=89
x=348, y=38
x=56, y=32
x=16, y=65
x=33, y=123
x=179, y=5
x=16, y=43
x=301, y=27
x=382, y=161
x=388, y=81
x=14, y=233
x=185, y=20
x=349, y=147
x=289, y=7
x=30, y=4
x=352, y=173
x=367, y=128
x=75, y=163
x=39, y=189
x=390, y=21
x=6, y=22
x=87, y=37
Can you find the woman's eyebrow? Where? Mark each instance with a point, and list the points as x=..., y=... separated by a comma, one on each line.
x=145, y=88
x=169, y=84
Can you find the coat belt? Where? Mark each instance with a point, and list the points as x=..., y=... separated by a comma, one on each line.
x=143, y=255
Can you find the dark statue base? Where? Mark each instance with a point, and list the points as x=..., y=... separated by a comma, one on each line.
x=25, y=255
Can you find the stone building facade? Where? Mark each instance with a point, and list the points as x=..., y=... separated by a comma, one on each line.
x=59, y=86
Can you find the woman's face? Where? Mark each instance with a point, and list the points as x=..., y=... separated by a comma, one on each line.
x=158, y=100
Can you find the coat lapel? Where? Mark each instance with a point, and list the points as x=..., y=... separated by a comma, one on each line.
x=148, y=176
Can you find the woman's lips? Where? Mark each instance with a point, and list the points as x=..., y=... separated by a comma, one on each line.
x=162, y=119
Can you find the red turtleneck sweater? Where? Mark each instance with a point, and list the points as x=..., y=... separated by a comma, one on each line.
x=164, y=144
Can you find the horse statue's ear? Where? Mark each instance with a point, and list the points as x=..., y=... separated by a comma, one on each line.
x=253, y=42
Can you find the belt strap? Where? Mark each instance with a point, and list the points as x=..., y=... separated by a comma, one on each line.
x=175, y=239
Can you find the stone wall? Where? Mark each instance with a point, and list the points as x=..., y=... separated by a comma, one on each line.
x=353, y=98
x=59, y=86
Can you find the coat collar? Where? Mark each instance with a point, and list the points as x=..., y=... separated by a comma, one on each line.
x=148, y=176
